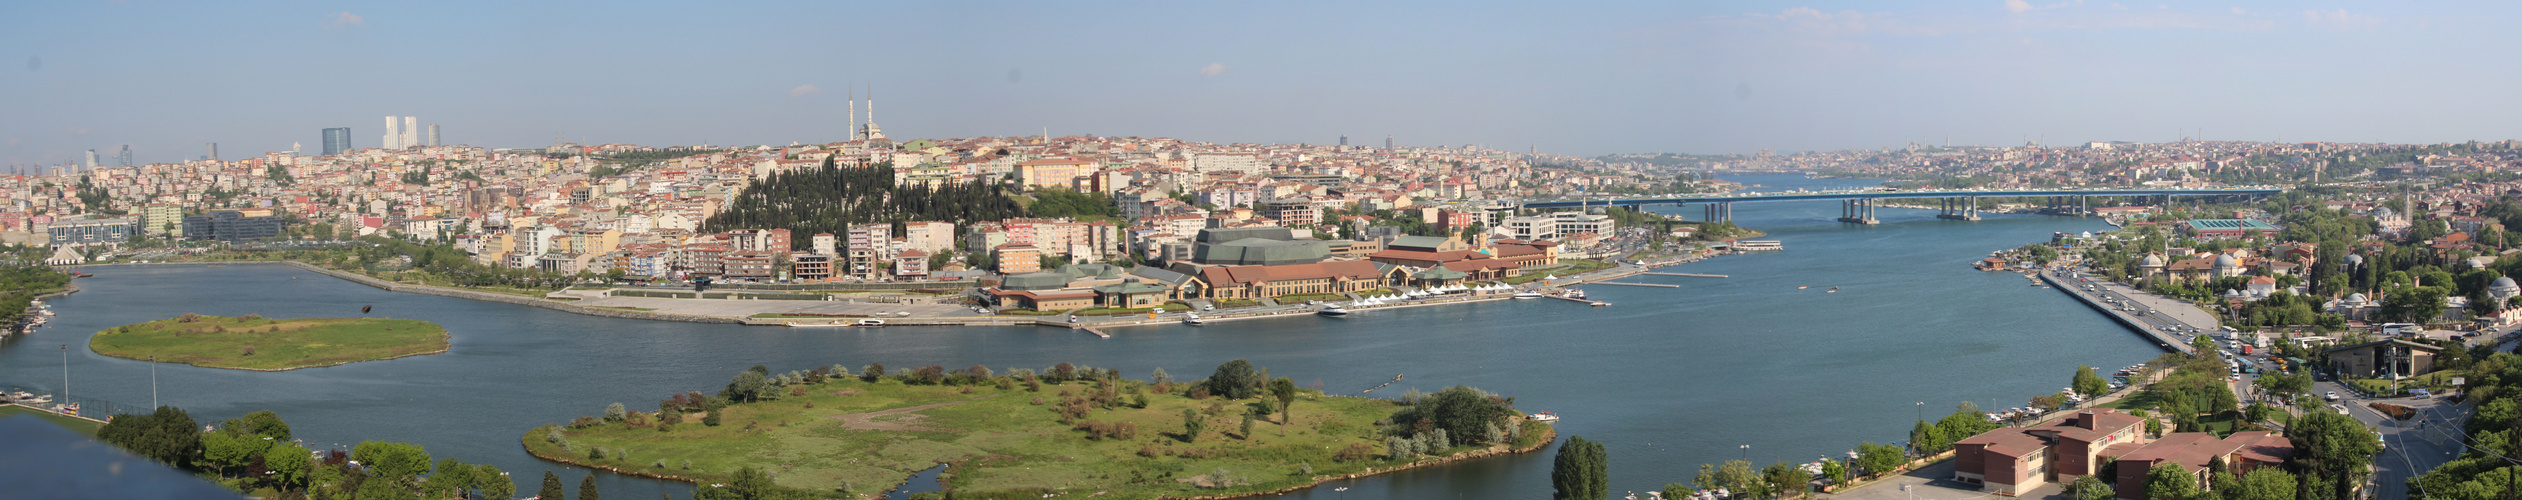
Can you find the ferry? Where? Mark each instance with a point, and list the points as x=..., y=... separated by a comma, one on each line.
x=1333, y=310
x=878, y=323
x=1193, y=320
x=1545, y=417
x=1527, y=294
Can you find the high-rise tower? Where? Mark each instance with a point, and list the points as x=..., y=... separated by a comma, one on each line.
x=393, y=133
x=213, y=153
x=1387, y=142
x=91, y=159
x=433, y=134
x=336, y=140
x=124, y=157
x=411, y=131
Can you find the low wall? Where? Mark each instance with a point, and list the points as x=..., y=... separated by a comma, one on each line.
x=508, y=299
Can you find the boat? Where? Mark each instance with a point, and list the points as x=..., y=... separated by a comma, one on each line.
x=1545, y=417
x=1802, y=287
x=870, y=323
x=1193, y=320
x=827, y=324
x=1831, y=290
x=1576, y=294
x=1333, y=310
x=1527, y=294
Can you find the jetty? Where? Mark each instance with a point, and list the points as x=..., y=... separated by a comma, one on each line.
x=1098, y=333
x=1595, y=303
x=1693, y=275
x=1634, y=284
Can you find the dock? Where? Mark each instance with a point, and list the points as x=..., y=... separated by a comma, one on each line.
x=1595, y=303
x=1098, y=333
x=1634, y=284
x=1693, y=275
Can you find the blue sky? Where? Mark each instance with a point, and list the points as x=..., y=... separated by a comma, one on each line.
x=1573, y=78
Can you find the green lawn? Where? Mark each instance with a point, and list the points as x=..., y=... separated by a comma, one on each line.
x=83, y=426
x=865, y=437
x=256, y=343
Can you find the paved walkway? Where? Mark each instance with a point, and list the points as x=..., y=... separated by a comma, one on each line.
x=1933, y=482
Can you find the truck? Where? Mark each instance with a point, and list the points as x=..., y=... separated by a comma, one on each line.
x=2246, y=349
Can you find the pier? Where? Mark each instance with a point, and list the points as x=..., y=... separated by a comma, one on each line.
x=1098, y=333
x=1595, y=303
x=1634, y=284
x=1693, y=275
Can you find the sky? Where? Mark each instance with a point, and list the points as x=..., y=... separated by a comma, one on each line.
x=1577, y=78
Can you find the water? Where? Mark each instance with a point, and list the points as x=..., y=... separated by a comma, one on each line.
x=1668, y=379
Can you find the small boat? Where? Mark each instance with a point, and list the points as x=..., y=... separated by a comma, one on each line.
x=1802, y=287
x=1545, y=417
x=1333, y=310
x=1193, y=320
x=1342, y=488
x=1831, y=290
x=1527, y=295
x=870, y=323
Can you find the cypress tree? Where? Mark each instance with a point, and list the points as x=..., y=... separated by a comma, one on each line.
x=1579, y=472
x=586, y=488
x=551, y=486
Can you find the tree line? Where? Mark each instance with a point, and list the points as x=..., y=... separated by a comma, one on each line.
x=829, y=198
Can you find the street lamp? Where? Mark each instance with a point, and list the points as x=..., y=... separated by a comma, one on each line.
x=1922, y=411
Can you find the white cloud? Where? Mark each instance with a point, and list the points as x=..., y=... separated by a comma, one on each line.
x=2239, y=12
x=343, y=20
x=2340, y=20
x=1213, y=69
x=804, y=90
x=2017, y=6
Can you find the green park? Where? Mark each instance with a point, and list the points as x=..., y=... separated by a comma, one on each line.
x=1064, y=430
x=252, y=342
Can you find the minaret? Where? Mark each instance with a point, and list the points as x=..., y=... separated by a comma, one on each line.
x=853, y=113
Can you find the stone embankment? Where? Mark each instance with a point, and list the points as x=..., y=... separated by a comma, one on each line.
x=508, y=299
x=2164, y=340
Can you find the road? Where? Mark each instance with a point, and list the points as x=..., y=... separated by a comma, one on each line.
x=2410, y=447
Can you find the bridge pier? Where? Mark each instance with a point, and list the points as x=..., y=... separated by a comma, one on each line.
x=1858, y=211
x=1960, y=209
x=1719, y=212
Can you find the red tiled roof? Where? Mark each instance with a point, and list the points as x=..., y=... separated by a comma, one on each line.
x=1238, y=275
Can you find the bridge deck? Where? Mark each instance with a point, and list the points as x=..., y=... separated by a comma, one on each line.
x=1867, y=195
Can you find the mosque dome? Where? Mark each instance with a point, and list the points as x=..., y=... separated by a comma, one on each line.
x=2152, y=260
x=2357, y=299
x=2355, y=260
x=2504, y=284
x=2227, y=261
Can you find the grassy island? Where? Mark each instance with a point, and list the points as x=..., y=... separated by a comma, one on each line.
x=1067, y=431
x=253, y=342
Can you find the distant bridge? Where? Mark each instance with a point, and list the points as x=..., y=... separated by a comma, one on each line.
x=1858, y=206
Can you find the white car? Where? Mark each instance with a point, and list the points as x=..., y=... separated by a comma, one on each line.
x=2332, y=396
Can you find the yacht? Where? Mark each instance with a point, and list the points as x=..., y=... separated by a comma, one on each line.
x=1545, y=417
x=1332, y=310
x=1528, y=294
x=870, y=323
x=1193, y=320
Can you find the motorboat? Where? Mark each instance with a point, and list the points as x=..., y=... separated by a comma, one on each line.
x=1527, y=294
x=870, y=323
x=1333, y=310
x=1193, y=320
x=1545, y=417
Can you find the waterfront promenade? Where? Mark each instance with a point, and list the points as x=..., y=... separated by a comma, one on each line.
x=2162, y=312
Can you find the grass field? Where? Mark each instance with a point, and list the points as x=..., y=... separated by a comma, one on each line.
x=862, y=437
x=82, y=426
x=255, y=343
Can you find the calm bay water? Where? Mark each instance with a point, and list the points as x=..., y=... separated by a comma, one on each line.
x=1668, y=378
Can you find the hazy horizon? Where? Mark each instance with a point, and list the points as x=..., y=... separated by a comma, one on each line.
x=1586, y=79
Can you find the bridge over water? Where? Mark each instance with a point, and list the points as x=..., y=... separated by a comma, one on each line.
x=1858, y=206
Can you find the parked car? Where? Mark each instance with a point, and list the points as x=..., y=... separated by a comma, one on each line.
x=2332, y=396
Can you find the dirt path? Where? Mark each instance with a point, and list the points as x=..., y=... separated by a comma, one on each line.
x=867, y=421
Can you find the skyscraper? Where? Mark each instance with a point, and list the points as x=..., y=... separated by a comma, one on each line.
x=1344, y=141
x=1387, y=143
x=411, y=131
x=125, y=156
x=91, y=159
x=393, y=133
x=336, y=140
x=433, y=134
x=213, y=155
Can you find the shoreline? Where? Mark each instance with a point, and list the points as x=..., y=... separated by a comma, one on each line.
x=1549, y=437
x=442, y=350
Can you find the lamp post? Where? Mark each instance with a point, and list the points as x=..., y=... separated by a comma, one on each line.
x=153, y=382
x=1747, y=453
x=1922, y=411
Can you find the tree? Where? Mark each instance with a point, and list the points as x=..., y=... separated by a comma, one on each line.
x=1580, y=472
x=2090, y=487
x=1235, y=380
x=2087, y=383
x=398, y=462
x=2170, y=481
x=261, y=423
x=1926, y=439
x=551, y=486
x=615, y=412
x=289, y=465
x=494, y=483
x=167, y=435
x=2333, y=446
x=1782, y=478
x=1464, y=413
x=1191, y=425
x=2265, y=483
x=1283, y=389
x=748, y=386
x=1735, y=477
x=586, y=488
x=453, y=477
x=1878, y=459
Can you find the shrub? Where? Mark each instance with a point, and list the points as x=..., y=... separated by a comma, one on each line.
x=1354, y=452
x=873, y=372
x=247, y=351
x=661, y=463
x=554, y=435
x=188, y=318
x=250, y=317
x=615, y=412
x=584, y=422
x=710, y=420
x=596, y=453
